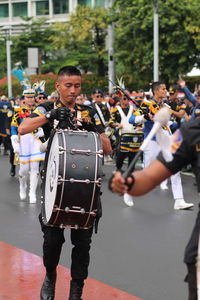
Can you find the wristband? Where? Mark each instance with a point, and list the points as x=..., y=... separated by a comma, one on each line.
x=130, y=185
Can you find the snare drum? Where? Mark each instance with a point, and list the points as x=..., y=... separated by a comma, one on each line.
x=131, y=141
x=72, y=179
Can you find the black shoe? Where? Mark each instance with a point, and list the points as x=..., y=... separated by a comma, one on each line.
x=48, y=288
x=12, y=171
x=76, y=289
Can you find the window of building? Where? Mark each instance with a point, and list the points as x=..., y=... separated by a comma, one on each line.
x=19, y=9
x=3, y=10
x=42, y=8
x=60, y=6
x=85, y=2
x=100, y=3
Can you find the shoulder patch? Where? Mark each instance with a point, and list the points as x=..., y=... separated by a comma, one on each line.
x=10, y=114
x=39, y=111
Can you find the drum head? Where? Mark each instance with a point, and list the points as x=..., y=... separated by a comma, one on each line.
x=51, y=178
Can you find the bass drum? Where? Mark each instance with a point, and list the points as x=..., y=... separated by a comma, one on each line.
x=72, y=179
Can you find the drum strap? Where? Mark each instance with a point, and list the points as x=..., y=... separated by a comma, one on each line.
x=55, y=122
x=125, y=119
x=100, y=114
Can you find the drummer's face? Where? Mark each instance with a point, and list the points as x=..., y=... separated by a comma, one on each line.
x=69, y=88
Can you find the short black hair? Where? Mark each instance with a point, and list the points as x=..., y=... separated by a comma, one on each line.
x=156, y=85
x=69, y=70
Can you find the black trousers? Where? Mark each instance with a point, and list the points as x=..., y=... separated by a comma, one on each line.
x=80, y=257
x=190, y=258
x=120, y=157
x=5, y=140
x=196, y=171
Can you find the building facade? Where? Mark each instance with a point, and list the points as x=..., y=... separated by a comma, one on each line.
x=11, y=11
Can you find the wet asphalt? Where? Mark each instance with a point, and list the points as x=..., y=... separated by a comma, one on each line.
x=138, y=250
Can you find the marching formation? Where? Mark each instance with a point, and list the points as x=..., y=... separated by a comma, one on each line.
x=36, y=130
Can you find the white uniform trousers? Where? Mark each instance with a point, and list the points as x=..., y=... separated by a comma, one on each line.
x=150, y=154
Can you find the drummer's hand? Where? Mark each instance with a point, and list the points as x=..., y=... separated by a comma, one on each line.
x=62, y=113
x=118, y=184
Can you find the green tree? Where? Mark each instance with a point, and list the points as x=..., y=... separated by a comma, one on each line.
x=178, y=51
x=35, y=33
x=2, y=57
x=83, y=37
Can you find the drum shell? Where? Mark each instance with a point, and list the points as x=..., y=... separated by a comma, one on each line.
x=76, y=203
x=131, y=141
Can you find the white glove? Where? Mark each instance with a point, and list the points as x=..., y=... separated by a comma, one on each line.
x=140, y=119
x=39, y=133
x=15, y=143
x=43, y=146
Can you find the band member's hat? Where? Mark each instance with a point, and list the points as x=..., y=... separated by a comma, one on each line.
x=29, y=93
x=42, y=93
x=97, y=91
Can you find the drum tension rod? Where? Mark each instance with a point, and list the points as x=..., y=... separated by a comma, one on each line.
x=87, y=181
x=80, y=211
x=73, y=151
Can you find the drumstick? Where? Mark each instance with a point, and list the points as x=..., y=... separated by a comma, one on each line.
x=160, y=119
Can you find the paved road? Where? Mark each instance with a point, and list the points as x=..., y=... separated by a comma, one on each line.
x=138, y=250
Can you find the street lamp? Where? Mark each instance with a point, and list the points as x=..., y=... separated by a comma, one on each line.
x=111, y=60
x=155, y=41
x=7, y=30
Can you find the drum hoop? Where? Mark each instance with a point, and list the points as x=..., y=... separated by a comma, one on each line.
x=94, y=187
x=63, y=171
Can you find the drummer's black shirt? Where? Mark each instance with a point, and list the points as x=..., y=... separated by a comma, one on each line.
x=86, y=112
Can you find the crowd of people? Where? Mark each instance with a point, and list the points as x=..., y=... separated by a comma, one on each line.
x=123, y=120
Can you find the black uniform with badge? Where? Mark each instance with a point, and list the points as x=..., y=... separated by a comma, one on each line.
x=176, y=106
x=80, y=238
x=187, y=151
x=8, y=121
x=104, y=113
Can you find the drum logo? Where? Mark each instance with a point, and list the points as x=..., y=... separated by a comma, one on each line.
x=52, y=176
x=135, y=139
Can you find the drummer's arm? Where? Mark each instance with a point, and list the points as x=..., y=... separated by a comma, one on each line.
x=144, y=180
x=107, y=149
x=30, y=124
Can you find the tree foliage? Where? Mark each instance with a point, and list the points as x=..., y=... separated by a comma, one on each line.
x=2, y=57
x=178, y=37
x=82, y=40
x=83, y=37
x=35, y=33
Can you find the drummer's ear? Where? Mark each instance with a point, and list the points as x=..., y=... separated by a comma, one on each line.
x=57, y=84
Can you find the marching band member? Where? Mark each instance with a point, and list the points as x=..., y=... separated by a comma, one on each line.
x=68, y=85
x=130, y=137
x=27, y=147
x=100, y=106
x=5, y=106
x=150, y=108
x=102, y=111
